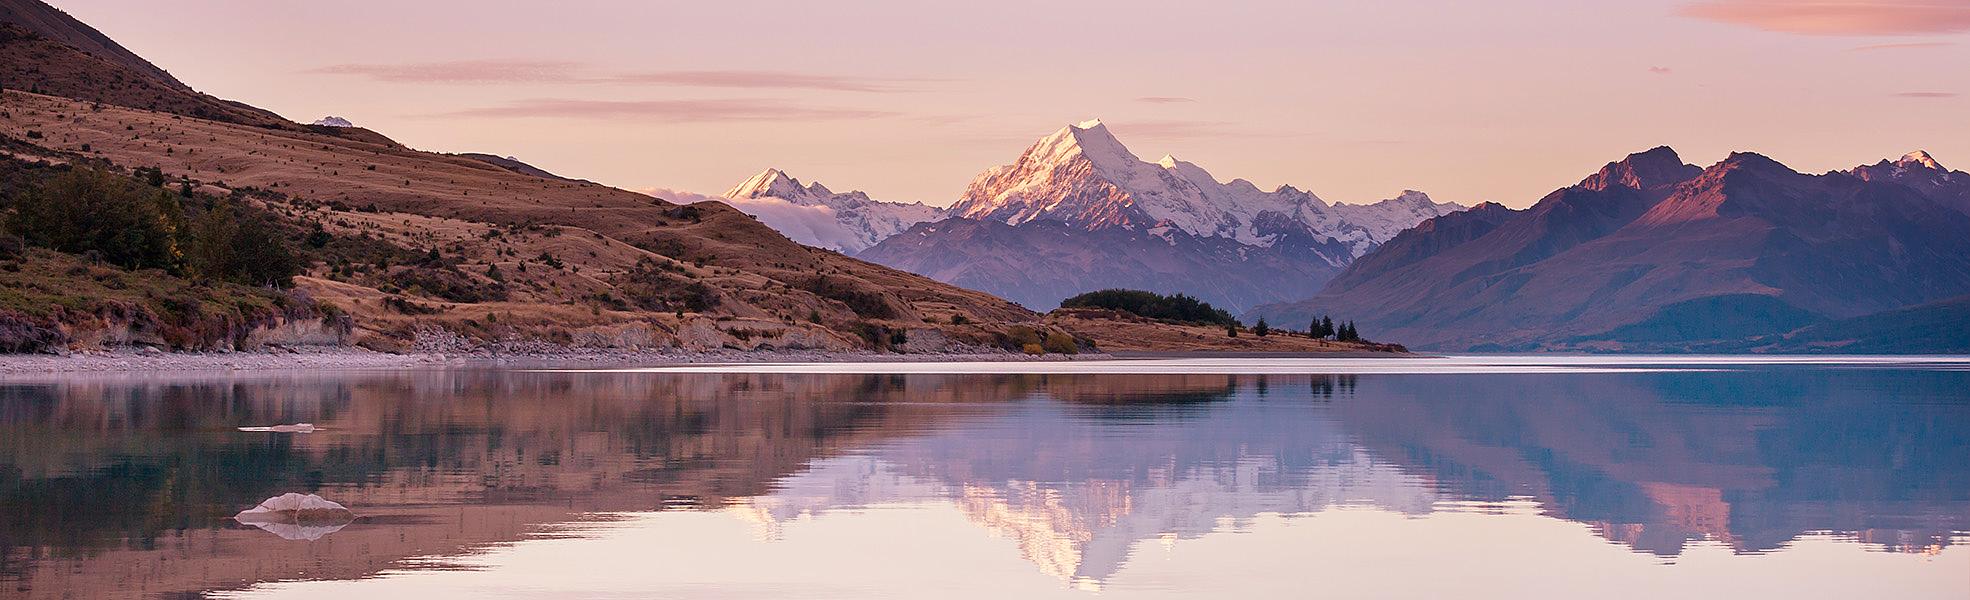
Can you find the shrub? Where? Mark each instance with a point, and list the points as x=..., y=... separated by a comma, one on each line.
x=241, y=246
x=1061, y=343
x=90, y=211
x=1020, y=336
x=654, y=286
x=865, y=304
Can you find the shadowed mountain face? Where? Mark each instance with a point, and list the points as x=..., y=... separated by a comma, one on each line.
x=1038, y=264
x=1080, y=472
x=1652, y=254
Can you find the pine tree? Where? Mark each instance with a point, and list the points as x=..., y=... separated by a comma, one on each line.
x=1327, y=327
x=1262, y=329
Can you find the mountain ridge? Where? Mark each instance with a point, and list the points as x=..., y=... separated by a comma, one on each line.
x=1596, y=261
x=812, y=214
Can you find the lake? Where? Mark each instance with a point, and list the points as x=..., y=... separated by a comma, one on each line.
x=1480, y=477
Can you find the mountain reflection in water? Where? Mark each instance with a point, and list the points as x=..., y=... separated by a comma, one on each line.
x=113, y=486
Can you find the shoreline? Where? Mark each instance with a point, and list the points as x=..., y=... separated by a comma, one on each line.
x=125, y=361
x=341, y=358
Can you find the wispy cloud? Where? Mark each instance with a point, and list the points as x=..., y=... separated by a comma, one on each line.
x=673, y=111
x=1838, y=17
x=1178, y=130
x=1164, y=99
x=1927, y=95
x=497, y=71
x=761, y=80
x=1902, y=46
x=461, y=71
x=1661, y=70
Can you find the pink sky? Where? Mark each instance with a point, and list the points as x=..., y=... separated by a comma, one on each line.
x=908, y=99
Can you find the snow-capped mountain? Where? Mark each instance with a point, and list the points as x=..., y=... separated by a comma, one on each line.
x=1920, y=171
x=1083, y=176
x=814, y=215
x=334, y=121
x=1079, y=212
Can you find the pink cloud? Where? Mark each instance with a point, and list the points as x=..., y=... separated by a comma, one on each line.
x=1845, y=17
x=675, y=111
x=1164, y=99
x=1661, y=70
x=1927, y=95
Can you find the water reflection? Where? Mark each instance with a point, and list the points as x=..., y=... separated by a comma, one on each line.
x=114, y=486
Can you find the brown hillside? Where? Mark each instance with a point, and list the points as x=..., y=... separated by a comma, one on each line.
x=758, y=289
x=49, y=22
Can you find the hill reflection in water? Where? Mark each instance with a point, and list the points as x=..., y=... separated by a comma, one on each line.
x=127, y=486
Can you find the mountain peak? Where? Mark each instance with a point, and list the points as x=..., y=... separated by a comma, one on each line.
x=334, y=121
x=1089, y=139
x=1753, y=161
x=1649, y=169
x=1919, y=158
x=775, y=183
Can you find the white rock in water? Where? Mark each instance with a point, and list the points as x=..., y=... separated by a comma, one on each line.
x=295, y=428
x=297, y=516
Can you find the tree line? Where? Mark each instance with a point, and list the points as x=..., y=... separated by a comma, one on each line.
x=1322, y=328
x=1178, y=307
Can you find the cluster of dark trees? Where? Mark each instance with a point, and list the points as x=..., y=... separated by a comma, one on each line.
x=1178, y=307
x=1322, y=328
x=136, y=222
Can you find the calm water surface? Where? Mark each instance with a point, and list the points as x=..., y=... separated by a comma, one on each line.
x=1496, y=477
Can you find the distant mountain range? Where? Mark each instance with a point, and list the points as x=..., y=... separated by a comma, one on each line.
x=814, y=215
x=1078, y=212
x=1653, y=254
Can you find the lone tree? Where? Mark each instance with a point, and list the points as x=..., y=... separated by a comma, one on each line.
x=1262, y=329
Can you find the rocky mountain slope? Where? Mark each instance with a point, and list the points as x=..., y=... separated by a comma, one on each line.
x=814, y=215
x=1078, y=211
x=1654, y=254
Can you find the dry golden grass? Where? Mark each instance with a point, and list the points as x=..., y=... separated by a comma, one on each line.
x=486, y=216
